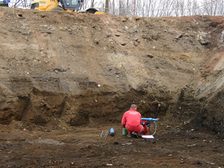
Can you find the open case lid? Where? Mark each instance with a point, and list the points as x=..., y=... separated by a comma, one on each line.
x=148, y=136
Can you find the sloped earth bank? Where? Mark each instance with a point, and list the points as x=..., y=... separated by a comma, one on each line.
x=66, y=76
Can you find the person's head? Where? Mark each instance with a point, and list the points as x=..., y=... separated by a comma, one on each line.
x=133, y=107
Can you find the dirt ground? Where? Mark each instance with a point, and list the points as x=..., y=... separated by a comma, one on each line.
x=83, y=147
x=65, y=77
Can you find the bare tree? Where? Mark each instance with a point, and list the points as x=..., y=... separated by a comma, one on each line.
x=121, y=7
x=169, y=6
x=106, y=6
x=220, y=8
x=144, y=8
x=158, y=7
x=152, y=8
x=159, y=10
x=179, y=8
x=182, y=8
x=210, y=7
x=113, y=6
x=148, y=8
x=134, y=8
x=195, y=8
x=215, y=8
x=92, y=3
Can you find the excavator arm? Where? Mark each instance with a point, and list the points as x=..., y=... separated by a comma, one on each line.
x=44, y=5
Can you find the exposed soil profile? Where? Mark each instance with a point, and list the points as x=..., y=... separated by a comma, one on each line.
x=65, y=77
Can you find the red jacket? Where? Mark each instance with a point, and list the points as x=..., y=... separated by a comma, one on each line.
x=131, y=118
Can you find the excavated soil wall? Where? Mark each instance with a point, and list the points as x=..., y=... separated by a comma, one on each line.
x=60, y=69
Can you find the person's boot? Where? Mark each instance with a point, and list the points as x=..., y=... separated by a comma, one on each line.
x=134, y=135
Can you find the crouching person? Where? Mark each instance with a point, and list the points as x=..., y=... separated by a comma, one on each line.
x=131, y=120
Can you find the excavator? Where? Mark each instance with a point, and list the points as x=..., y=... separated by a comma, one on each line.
x=65, y=5
x=4, y=2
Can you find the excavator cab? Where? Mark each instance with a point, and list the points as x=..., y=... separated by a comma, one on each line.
x=71, y=4
x=4, y=2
